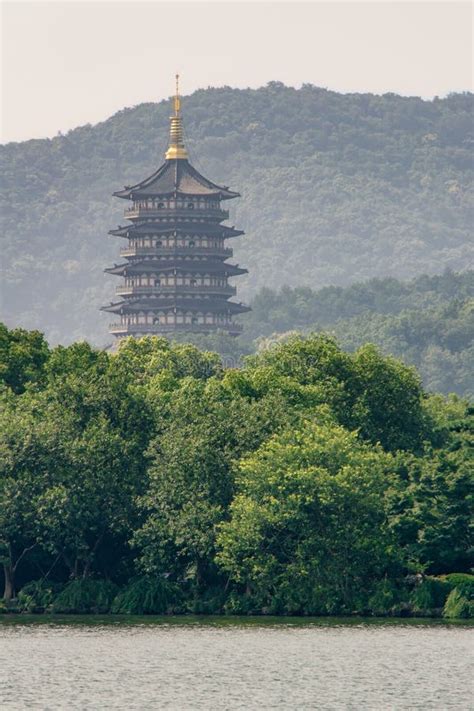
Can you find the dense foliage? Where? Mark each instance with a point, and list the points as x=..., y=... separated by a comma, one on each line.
x=427, y=322
x=310, y=481
x=335, y=189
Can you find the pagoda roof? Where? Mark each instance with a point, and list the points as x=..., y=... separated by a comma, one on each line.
x=176, y=176
x=146, y=228
x=197, y=266
x=154, y=304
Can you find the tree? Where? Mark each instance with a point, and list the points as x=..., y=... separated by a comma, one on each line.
x=431, y=505
x=27, y=452
x=90, y=497
x=23, y=355
x=308, y=530
x=378, y=395
x=205, y=426
x=73, y=454
x=148, y=357
x=389, y=404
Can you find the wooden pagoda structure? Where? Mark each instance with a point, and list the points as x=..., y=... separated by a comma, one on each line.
x=175, y=270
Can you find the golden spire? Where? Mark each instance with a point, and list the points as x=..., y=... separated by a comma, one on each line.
x=176, y=148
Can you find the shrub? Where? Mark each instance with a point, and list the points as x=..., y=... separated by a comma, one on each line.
x=462, y=581
x=4, y=608
x=458, y=606
x=429, y=596
x=36, y=596
x=148, y=596
x=242, y=604
x=384, y=599
x=207, y=602
x=85, y=596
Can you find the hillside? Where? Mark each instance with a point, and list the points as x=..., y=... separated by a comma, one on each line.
x=427, y=322
x=335, y=189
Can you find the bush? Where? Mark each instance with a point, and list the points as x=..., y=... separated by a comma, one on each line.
x=4, y=608
x=462, y=581
x=85, y=596
x=384, y=599
x=148, y=596
x=242, y=604
x=429, y=596
x=36, y=596
x=207, y=602
x=458, y=606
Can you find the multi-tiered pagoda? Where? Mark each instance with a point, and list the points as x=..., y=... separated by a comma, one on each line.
x=175, y=273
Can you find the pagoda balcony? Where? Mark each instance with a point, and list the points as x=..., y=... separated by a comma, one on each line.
x=181, y=212
x=176, y=289
x=134, y=328
x=134, y=251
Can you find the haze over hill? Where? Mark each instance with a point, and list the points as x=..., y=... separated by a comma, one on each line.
x=335, y=189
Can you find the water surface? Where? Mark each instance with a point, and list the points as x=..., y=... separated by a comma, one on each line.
x=186, y=664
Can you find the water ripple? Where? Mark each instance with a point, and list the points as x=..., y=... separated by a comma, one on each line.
x=193, y=667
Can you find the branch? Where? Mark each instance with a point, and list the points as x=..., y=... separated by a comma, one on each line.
x=51, y=568
x=22, y=555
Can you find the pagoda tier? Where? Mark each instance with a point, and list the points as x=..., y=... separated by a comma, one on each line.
x=175, y=273
x=159, y=240
x=173, y=302
x=157, y=314
x=186, y=230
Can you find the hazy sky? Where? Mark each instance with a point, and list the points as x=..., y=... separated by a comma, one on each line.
x=69, y=63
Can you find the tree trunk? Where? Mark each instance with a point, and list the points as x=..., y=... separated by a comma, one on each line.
x=9, y=570
x=90, y=557
x=69, y=564
x=9, y=590
x=200, y=571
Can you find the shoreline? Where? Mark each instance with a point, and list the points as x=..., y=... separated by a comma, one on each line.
x=228, y=620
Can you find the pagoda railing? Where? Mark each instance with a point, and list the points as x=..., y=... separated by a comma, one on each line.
x=132, y=251
x=167, y=327
x=147, y=212
x=176, y=289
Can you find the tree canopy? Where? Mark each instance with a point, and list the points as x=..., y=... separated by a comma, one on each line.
x=309, y=481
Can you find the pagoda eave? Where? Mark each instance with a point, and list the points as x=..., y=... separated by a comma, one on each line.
x=165, y=266
x=176, y=177
x=159, y=329
x=149, y=228
x=211, y=306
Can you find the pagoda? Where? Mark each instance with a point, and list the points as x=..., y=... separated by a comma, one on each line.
x=175, y=270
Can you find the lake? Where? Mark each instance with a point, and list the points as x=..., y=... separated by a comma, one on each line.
x=233, y=663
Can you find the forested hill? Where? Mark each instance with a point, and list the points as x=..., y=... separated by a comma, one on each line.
x=427, y=322
x=335, y=189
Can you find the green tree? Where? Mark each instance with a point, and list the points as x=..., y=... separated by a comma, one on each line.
x=148, y=357
x=378, y=395
x=431, y=507
x=28, y=450
x=75, y=453
x=90, y=498
x=23, y=355
x=389, y=405
x=205, y=426
x=308, y=529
